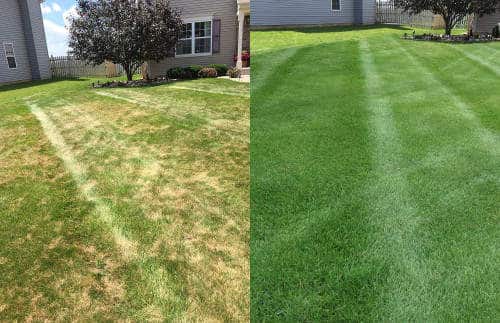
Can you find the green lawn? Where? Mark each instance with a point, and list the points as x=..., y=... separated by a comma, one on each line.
x=124, y=204
x=375, y=167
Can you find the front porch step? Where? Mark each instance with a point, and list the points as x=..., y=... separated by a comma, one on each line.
x=245, y=71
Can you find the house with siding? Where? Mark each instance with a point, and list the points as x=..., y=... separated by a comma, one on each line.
x=269, y=13
x=486, y=23
x=23, y=52
x=214, y=32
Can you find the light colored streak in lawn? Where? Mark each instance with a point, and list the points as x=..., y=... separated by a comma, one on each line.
x=395, y=213
x=157, y=279
x=477, y=59
x=275, y=61
x=489, y=140
x=79, y=174
x=119, y=97
x=206, y=91
x=176, y=87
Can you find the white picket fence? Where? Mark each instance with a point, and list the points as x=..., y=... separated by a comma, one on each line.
x=69, y=67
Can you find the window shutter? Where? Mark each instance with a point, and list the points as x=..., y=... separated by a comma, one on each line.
x=216, y=25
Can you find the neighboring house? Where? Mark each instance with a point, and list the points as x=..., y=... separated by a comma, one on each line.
x=267, y=13
x=23, y=48
x=215, y=32
x=486, y=23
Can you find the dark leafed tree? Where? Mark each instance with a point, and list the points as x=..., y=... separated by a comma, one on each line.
x=452, y=11
x=126, y=32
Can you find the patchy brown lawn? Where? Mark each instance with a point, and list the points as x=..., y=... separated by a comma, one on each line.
x=125, y=203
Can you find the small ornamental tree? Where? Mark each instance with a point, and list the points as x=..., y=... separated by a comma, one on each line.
x=452, y=11
x=126, y=32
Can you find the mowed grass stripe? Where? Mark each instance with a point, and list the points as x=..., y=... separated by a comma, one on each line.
x=157, y=282
x=310, y=228
x=453, y=176
x=79, y=173
x=445, y=164
x=125, y=166
x=118, y=140
x=393, y=211
x=473, y=84
x=273, y=61
x=176, y=87
x=173, y=173
x=488, y=140
x=487, y=63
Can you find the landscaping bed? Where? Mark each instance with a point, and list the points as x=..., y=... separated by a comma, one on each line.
x=464, y=38
x=175, y=74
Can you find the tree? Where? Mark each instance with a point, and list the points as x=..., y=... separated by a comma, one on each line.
x=452, y=11
x=126, y=32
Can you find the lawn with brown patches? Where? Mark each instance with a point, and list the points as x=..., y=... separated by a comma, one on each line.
x=164, y=169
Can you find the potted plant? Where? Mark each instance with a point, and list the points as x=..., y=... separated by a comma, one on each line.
x=245, y=58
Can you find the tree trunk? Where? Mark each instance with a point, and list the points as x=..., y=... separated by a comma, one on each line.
x=129, y=75
x=448, y=26
x=448, y=30
x=128, y=70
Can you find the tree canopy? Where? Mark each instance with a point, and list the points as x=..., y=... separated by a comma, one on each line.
x=126, y=32
x=452, y=11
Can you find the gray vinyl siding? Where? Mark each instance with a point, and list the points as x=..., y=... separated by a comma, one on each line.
x=369, y=13
x=300, y=12
x=226, y=11
x=39, y=44
x=11, y=31
x=486, y=23
x=311, y=12
x=21, y=23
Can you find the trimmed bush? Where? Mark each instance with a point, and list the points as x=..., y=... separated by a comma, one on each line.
x=207, y=72
x=187, y=74
x=233, y=73
x=195, y=69
x=174, y=73
x=221, y=68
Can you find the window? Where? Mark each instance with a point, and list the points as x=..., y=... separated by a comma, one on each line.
x=195, y=39
x=336, y=5
x=9, y=53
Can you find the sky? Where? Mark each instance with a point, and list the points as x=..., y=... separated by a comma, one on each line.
x=55, y=14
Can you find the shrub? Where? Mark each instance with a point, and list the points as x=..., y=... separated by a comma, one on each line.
x=174, y=73
x=195, y=69
x=221, y=68
x=207, y=72
x=186, y=73
x=496, y=32
x=233, y=73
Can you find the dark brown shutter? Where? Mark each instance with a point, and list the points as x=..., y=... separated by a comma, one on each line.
x=216, y=36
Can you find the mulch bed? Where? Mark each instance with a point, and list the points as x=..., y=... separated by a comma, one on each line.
x=135, y=83
x=453, y=38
